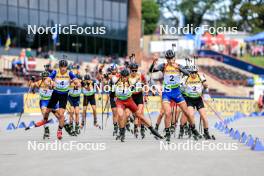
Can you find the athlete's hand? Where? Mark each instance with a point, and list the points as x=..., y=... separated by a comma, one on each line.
x=155, y=58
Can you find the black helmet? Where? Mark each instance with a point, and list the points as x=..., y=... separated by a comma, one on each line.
x=44, y=74
x=193, y=69
x=133, y=66
x=169, y=54
x=63, y=63
x=124, y=72
x=87, y=77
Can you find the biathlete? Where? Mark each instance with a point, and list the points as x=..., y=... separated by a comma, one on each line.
x=123, y=93
x=171, y=85
x=138, y=80
x=89, y=87
x=193, y=87
x=45, y=92
x=74, y=110
x=113, y=77
x=62, y=78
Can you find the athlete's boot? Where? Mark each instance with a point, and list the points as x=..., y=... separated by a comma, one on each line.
x=72, y=133
x=96, y=123
x=77, y=128
x=115, y=129
x=136, y=131
x=142, y=131
x=167, y=134
x=122, y=134
x=157, y=127
x=155, y=133
x=181, y=132
x=128, y=127
x=59, y=134
x=68, y=129
x=46, y=133
x=195, y=133
x=172, y=128
x=82, y=124
x=206, y=134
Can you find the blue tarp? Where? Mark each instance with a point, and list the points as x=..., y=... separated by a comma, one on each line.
x=257, y=37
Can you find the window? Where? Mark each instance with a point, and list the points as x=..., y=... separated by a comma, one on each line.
x=72, y=7
x=107, y=10
x=72, y=19
x=53, y=19
x=23, y=17
x=33, y=17
x=3, y=13
x=63, y=19
x=123, y=12
x=63, y=6
x=43, y=4
x=12, y=14
x=3, y=2
x=23, y=3
x=115, y=11
x=12, y=2
x=81, y=7
x=43, y=18
x=90, y=8
x=33, y=4
x=53, y=5
x=99, y=8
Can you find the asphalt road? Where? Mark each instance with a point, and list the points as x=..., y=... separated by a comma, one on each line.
x=134, y=157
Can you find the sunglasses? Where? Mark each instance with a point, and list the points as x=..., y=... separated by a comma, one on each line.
x=134, y=71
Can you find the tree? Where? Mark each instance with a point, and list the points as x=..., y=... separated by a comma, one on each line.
x=252, y=13
x=192, y=10
x=150, y=15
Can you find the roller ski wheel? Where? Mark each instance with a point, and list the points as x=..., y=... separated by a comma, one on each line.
x=46, y=133
x=213, y=137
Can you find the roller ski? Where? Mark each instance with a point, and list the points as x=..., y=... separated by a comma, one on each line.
x=77, y=129
x=68, y=129
x=181, y=132
x=96, y=124
x=167, y=135
x=115, y=132
x=128, y=127
x=173, y=129
x=135, y=131
x=195, y=134
x=121, y=135
x=46, y=133
x=142, y=132
x=207, y=136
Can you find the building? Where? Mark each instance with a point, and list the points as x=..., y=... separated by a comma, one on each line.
x=16, y=15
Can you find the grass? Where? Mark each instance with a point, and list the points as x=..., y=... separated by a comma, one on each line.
x=258, y=60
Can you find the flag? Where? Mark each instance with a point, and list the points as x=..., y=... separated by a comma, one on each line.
x=8, y=42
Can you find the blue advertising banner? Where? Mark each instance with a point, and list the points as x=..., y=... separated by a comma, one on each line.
x=11, y=103
x=12, y=89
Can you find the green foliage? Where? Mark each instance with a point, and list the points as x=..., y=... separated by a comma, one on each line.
x=150, y=15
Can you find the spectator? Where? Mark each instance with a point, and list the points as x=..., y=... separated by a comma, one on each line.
x=39, y=52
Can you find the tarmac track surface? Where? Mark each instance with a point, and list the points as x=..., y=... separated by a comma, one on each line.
x=134, y=157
